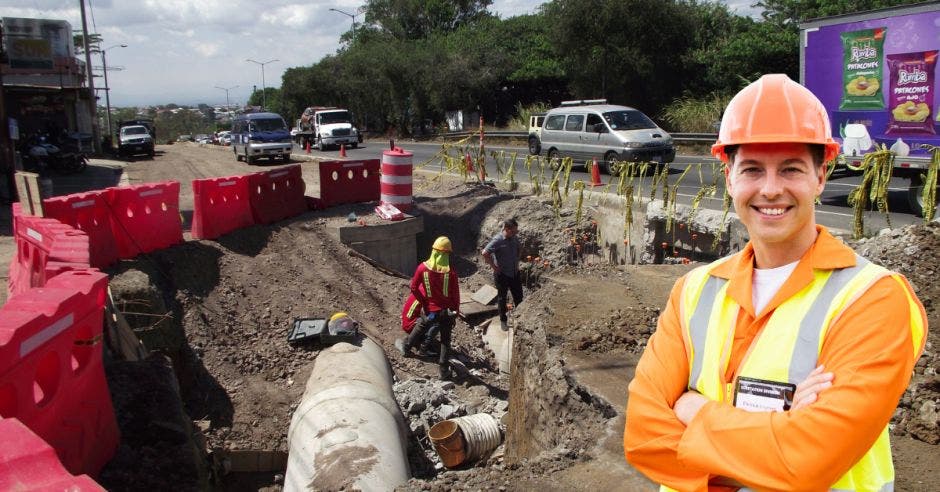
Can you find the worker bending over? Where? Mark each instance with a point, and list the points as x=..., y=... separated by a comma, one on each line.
x=434, y=291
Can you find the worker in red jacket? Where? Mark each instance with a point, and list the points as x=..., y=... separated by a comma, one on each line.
x=435, y=293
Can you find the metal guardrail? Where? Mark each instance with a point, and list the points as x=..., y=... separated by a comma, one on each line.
x=676, y=137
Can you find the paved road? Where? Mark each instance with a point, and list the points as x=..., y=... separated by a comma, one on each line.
x=834, y=211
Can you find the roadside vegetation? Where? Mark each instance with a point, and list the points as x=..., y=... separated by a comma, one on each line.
x=412, y=61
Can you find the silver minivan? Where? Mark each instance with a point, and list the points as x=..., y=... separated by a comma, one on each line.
x=593, y=129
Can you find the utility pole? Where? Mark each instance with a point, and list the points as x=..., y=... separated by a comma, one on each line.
x=107, y=88
x=264, y=91
x=95, y=130
x=226, y=89
x=6, y=145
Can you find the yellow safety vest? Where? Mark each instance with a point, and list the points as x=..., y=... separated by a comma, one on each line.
x=787, y=349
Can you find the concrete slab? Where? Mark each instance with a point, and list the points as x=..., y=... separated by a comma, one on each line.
x=485, y=294
x=474, y=309
x=500, y=343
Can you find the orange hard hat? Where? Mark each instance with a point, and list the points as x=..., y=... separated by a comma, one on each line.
x=775, y=109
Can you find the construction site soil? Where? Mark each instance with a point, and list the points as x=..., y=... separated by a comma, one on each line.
x=222, y=379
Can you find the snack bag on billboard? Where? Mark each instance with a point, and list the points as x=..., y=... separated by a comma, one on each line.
x=861, y=69
x=911, y=97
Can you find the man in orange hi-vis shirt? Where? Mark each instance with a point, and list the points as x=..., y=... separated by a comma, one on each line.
x=778, y=367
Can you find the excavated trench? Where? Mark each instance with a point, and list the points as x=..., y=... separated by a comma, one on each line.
x=212, y=403
x=210, y=407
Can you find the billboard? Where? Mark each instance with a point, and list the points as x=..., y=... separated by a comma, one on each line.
x=36, y=43
x=877, y=69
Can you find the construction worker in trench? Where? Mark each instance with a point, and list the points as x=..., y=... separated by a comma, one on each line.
x=778, y=367
x=502, y=254
x=432, y=306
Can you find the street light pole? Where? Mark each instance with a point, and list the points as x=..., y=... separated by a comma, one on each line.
x=93, y=105
x=351, y=16
x=226, y=89
x=107, y=88
x=264, y=92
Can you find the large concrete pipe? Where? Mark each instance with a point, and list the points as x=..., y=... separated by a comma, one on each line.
x=348, y=432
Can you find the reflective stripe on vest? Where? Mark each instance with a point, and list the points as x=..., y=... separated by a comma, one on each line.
x=446, y=282
x=780, y=352
x=427, y=284
x=412, y=310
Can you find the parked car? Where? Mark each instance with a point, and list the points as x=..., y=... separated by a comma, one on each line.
x=135, y=140
x=202, y=138
x=592, y=129
x=260, y=135
x=184, y=138
x=224, y=137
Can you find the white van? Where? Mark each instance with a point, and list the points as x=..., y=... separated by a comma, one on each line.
x=592, y=129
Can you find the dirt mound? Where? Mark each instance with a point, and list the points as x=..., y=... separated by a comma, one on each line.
x=914, y=251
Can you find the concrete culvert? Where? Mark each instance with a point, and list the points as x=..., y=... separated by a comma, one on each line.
x=348, y=431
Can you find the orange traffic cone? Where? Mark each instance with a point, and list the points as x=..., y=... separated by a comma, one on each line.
x=342, y=150
x=307, y=145
x=595, y=174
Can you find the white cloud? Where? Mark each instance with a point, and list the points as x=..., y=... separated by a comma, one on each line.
x=180, y=50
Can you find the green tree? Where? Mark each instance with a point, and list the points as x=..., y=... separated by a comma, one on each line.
x=790, y=13
x=271, y=97
x=418, y=19
x=628, y=51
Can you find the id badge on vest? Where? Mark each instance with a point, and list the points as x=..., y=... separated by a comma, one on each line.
x=760, y=395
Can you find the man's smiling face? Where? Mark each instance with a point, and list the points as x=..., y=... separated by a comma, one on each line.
x=774, y=187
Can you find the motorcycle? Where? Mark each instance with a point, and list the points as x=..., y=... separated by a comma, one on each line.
x=40, y=155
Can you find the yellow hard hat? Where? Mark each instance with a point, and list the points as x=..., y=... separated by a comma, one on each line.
x=338, y=316
x=442, y=244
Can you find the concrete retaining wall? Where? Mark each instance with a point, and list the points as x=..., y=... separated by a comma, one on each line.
x=391, y=244
x=645, y=237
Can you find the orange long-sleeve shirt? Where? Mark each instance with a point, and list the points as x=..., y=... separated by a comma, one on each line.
x=869, y=350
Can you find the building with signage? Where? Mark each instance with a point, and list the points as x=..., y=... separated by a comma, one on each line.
x=43, y=84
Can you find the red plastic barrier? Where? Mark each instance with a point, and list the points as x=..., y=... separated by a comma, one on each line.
x=88, y=212
x=51, y=371
x=220, y=206
x=145, y=217
x=29, y=463
x=277, y=195
x=16, y=278
x=349, y=181
x=45, y=248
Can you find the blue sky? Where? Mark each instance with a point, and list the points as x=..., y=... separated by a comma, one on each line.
x=181, y=50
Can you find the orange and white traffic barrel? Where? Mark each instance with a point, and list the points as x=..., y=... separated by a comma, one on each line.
x=395, y=184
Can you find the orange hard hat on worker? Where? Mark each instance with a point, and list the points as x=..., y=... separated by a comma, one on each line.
x=775, y=109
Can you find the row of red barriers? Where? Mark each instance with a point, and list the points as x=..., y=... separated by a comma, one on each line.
x=222, y=205
x=122, y=222
x=51, y=371
x=29, y=463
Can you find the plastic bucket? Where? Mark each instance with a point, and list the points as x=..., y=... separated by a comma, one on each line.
x=448, y=442
x=481, y=434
